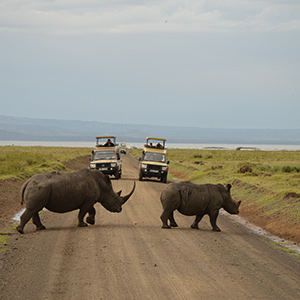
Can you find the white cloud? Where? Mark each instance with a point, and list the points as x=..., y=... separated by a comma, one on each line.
x=78, y=16
x=281, y=17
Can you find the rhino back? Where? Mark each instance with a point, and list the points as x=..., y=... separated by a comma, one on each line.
x=198, y=199
x=190, y=198
x=61, y=192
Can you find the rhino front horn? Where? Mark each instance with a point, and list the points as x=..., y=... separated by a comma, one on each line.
x=125, y=198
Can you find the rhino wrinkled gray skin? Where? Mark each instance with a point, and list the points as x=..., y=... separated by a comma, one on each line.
x=194, y=199
x=64, y=192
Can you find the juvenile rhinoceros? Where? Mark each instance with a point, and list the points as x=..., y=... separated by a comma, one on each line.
x=64, y=192
x=194, y=199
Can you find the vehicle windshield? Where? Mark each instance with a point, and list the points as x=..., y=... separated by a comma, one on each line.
x=159, y=157
x=104, y=155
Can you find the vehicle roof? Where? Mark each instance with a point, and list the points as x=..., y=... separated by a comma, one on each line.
x=105, y=137
x=153, y=138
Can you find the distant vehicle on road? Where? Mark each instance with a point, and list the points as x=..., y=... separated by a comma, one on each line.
x=106, y=156
x=123, y=149
x=153, y=161
x=132, y=147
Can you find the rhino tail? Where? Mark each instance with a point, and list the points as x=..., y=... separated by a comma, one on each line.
x=23, y=191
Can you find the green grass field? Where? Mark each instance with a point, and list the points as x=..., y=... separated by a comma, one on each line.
x=273, y=184
x=279, y=170
x=23, y=162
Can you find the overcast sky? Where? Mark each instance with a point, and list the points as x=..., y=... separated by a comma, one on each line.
x=201, y=63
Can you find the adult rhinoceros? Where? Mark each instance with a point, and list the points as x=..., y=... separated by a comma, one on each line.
x=193, y=199
x=64, y=192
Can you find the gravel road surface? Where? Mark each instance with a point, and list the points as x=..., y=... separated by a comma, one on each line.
x=129, y=256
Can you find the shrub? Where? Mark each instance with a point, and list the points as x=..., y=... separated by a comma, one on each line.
x=289, y=169
x=264, y=168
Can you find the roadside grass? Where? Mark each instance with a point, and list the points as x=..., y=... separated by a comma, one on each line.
x=273, y=185
x=23, y=162
x=4, y=235
x=3, y=238
x=283, y=247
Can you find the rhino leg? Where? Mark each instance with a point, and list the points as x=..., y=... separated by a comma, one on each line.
x=81, y=223
x=172, y=220
x=25, y=217
x=196, y=222
x=84, y=209
x=37, y=222
x=165, y=216
x=213, y=220
x=91, y=217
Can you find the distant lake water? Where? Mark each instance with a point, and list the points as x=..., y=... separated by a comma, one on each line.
x=169, y=145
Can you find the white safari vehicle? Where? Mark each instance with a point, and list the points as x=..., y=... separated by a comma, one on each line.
x=106, y=156
x=153, y=162
x=123, y=149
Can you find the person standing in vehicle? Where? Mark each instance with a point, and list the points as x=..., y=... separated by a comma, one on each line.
x=109, y=143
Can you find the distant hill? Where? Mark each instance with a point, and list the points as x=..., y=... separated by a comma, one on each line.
x=30, y=129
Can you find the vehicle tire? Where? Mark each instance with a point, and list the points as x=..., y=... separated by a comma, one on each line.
x=140, y=176
x=117, y=175
x=164, y=178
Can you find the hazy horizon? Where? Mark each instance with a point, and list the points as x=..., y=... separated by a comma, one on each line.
x=33, y=129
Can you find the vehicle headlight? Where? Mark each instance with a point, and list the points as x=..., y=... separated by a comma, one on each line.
x=92, y=166
x=113, y=165
x=164, y=168
x=144, y=166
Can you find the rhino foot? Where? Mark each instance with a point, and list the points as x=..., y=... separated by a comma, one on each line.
x=166, y=226
x=82, y=224
x=216, y=229
x=194, y=226
x=173, y=225
x=41, y=228
x=90, y=220
x=20, y=229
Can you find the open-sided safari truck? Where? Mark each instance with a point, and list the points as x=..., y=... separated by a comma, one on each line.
x=106, y=156
x=153, y=162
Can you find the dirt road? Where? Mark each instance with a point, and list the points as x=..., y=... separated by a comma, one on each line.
x=129, y=256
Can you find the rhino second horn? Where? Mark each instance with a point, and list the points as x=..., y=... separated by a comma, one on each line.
x=125, y=198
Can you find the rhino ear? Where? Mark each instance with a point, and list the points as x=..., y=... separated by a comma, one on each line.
x=228, y=187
